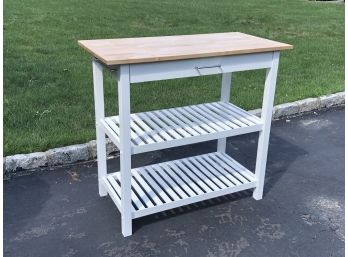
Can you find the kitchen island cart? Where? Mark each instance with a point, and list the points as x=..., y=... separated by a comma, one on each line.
x=145, y=190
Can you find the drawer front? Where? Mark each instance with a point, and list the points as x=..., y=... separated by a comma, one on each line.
x=198, y=67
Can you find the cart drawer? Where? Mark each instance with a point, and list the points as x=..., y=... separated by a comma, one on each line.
x=198, y=67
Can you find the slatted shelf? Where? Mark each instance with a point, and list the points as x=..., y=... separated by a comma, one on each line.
x=176, y=183
x=166, y=128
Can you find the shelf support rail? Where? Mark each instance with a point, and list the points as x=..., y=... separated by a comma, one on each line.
x=99, y=115
x=225, y=97
x=266, y=117
x=123, y=81
x=125, y=148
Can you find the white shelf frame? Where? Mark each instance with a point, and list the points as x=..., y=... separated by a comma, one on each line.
x=176, y=183
x=134, y=73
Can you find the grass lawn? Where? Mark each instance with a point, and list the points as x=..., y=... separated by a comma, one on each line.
x=48, y=94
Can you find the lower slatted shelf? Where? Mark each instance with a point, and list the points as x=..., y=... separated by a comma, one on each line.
x=176, y=183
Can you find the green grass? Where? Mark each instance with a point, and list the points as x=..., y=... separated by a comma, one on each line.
x=48, y=95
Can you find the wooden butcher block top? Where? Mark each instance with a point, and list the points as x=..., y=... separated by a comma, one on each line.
x=166, y=48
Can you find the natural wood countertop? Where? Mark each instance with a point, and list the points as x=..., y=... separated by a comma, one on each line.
x=154, y=49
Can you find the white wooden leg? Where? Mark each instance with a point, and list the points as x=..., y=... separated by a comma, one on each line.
x=125, y=149
x=266, y=117
x=99, y=114
x=225, y=97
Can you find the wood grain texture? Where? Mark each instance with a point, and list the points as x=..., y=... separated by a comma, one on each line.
x=155, y=49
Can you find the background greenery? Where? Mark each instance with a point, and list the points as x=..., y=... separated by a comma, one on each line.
x=48, y=96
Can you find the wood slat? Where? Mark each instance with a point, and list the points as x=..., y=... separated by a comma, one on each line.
x=154, y=126
x=113, y=126
x=253, y=118
x=135, y=199
x=135, y=137
x=210, y=116
x=165, y=185
x=226, y=112
x=181, y=174
x=189, y=124
x=178, y=179
x=204, y=118
x=231, y=170
x=219, y=173
x=201, y=123
x=199, y=175
x=116, y=187
x=234, y=122
x=155, y=186
x=178, y=129
x=193, y=176
x=227, y=123
x=142, y=194
x=151, y=132
x=222, y=170
x=173, y=185
x=236, y=165
x=151, y=194
x=169, y=129
x=240, y=116
x=141, y=133
x=211, y=175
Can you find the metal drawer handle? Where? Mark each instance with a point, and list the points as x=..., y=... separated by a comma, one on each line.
x=208, y=67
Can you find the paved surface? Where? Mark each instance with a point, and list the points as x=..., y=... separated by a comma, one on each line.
x=58, y=212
